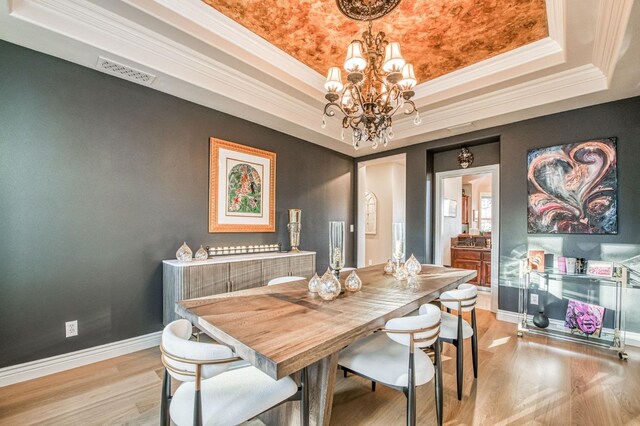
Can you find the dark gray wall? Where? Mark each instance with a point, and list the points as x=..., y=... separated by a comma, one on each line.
x=101, y=179
x=620, y=119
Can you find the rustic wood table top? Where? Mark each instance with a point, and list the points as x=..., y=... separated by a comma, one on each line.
x=282, y=328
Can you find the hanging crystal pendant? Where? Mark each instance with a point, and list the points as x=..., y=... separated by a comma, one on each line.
x=324, y=122
x=417, y=120
x=391, y=134
x=342, y=134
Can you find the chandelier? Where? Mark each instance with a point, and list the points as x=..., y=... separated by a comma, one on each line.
x=379, y=81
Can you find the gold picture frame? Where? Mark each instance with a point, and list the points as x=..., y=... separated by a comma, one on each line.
x=242, y=188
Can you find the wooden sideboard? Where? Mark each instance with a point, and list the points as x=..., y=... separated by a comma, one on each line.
x=476, y=258
x=188, y=280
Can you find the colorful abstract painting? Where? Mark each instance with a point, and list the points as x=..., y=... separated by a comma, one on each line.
x=573, y=188
x=244, y=189
x=584, y=317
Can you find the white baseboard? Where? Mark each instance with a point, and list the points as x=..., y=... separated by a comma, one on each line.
x=631, y=339
x=43, y=367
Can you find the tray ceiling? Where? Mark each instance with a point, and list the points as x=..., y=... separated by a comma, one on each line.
x=589, y=55
x=436, y=36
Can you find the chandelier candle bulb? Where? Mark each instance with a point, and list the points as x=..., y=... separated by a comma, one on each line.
x=393, y=60
x=355, y=60
x=408, y=81
x=334, y=80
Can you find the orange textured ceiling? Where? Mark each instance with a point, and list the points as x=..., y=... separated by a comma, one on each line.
x=436, y=36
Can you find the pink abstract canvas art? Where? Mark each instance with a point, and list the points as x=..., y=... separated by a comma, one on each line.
x=573, y=188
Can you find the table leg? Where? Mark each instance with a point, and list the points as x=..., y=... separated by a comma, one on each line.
x=322, y=379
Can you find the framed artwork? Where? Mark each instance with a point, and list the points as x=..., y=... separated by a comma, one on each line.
x=371, y=213
x=573, y=188
x=242, y=188
x=450, y=208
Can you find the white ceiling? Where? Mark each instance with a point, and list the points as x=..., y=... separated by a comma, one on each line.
x=592, y=55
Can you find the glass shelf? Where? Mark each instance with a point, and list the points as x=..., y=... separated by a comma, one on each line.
x=557, y=275
x=540, y=284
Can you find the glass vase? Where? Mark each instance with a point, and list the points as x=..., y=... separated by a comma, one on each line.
x=336, y=247
x=398, y=243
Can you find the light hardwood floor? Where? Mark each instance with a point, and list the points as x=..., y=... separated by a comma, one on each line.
x=534, y=380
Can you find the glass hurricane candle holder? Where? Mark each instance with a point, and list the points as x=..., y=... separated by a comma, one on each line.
x=413, y=266
x=336, y=247
x=329, y=287
x=353, y=282
x=184, y=253
x=398, y=243
x=314, y=283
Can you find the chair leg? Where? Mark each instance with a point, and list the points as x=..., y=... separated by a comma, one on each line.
x=344, y=370
x=164, y=402
x=438, y=380
x=474, y=343
x=197, y=409
x=373, y=386
x=411, y=393
x=304, y=400
x=459, y=357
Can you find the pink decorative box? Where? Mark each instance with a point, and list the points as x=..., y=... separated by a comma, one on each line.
x=600, y=268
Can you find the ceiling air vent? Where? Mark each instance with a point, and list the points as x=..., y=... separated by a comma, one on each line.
x=124, y=71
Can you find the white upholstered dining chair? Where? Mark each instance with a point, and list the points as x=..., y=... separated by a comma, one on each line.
x=456, y=330
x=282, y=280
x=394, y=357
x=210, y=393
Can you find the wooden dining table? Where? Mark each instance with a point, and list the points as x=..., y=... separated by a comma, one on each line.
x=283, y=328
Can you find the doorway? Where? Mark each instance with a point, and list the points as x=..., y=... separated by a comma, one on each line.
x=381, y=202
x=467, y=224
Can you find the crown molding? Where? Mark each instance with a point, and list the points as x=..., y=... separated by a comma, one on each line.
x=524, y=60
x=613, y=17
x=533, y=75
x=84, y=21
x=557, y=87
x=216, y=29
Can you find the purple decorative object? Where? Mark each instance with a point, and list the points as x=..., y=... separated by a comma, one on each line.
x=585, y=317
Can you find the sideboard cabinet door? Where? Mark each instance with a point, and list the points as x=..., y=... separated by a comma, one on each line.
x=274, y=268
x=244, y=275
x=181, y=283
x=303, y=266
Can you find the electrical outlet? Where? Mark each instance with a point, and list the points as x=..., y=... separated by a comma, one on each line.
x=370, y=262
x=534, y=299
x=71, y=328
